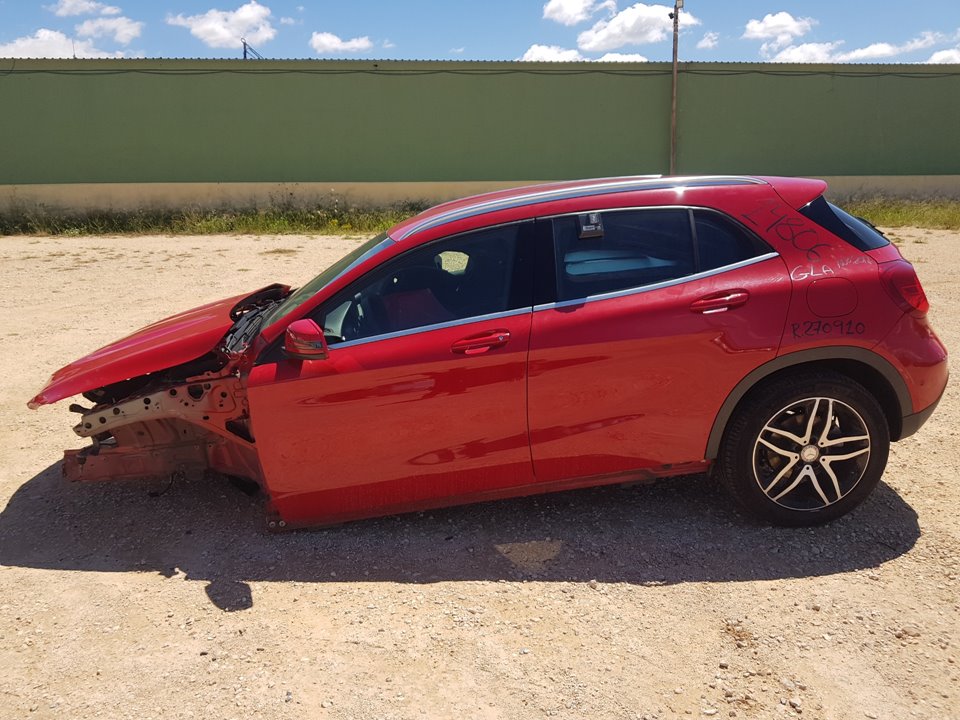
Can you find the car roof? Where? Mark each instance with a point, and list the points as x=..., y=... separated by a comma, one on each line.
x=799, y=190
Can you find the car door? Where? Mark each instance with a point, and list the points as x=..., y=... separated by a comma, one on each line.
x=422, y=399
x=659, y=313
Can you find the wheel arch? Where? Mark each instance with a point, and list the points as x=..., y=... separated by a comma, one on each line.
x=872, y=371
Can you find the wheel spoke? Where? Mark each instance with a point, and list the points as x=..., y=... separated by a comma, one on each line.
x=811, y=421
x=806, y=472
x=827, y=424
x=841, y=440
x=789, y=435
x=780, y=451
x=786, y=468
x=834, y=458
x=816, y=486
x=825, y=464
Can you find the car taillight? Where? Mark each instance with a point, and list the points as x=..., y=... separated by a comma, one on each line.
x=903, y=286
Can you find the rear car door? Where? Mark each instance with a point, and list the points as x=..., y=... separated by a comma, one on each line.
x=422, y=399
x=659, y=312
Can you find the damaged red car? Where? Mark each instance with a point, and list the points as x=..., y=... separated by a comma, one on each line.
x=538, y=339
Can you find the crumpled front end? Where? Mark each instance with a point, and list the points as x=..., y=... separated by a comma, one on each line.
x=194, y=426
x=168, y=399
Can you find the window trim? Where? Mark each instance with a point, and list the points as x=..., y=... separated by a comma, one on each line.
x=656, y=286
x=429, y=328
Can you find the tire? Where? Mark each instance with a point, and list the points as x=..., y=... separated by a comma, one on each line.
x=804, y=449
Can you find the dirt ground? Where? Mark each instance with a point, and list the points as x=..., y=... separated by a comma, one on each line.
x=168, y=600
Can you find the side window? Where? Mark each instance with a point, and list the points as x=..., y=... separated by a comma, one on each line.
x=605, y=252
x=722, y=242
x=453, y=279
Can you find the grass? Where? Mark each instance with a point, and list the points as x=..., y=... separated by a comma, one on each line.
x=891, y=212
x=884, y=212
x=275, y=221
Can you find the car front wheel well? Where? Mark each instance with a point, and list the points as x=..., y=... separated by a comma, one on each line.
x=868, y=369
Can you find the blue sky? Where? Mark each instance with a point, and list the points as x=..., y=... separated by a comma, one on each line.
x=746, y=30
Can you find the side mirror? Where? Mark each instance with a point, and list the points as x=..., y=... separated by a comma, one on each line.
x=304, y=340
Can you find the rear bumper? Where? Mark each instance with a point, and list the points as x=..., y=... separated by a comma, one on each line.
x=920, y=359
x=911, y=423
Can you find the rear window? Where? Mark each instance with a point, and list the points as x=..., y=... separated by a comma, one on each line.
x=856, y=231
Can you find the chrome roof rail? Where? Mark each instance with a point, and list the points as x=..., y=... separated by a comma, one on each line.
x=548, y=194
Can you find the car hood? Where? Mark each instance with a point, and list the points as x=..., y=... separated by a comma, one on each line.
x=164, y=344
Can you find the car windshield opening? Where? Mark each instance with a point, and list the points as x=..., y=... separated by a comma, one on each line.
x=341, y=266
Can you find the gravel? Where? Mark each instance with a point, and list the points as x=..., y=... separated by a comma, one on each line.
x=169, y=600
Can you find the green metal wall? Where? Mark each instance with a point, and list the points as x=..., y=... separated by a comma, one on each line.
x=91, y=121
x=821, y=120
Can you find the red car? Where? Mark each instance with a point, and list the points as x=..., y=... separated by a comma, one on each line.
x=537, y=339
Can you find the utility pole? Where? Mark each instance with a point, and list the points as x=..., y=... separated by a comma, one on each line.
x=675, y=16
x=249, y=50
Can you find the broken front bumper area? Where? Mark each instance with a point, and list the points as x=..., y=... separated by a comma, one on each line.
x=177, y=429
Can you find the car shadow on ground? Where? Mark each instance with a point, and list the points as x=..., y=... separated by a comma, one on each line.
x=679, y=530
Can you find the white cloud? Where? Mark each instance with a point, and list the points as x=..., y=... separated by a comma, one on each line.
x=946, y=56
x=621, y=57
x=636, y=25
x=571, y=12
x=66, y=8
x=46, y=43
x=709, y=41
x=871, y=52
x=224, y=28
x=829, y=52
x=121, y=29
x=287, y=21
x=550, y=53
x=387, y=44
x=886, y=50
x=778, y=30
x=923, y=41
x=781, y=26
x=808, y=53
x=324, y=42
x=555, y=53
x=457, y=50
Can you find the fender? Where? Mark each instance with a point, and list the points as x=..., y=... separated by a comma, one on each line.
x=849, y=352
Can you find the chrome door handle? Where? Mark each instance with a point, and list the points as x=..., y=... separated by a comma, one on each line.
x=720, y=301
x=481, y=342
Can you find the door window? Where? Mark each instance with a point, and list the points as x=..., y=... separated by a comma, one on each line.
x=458, y=278
x=607, y=252
x=599, y=253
